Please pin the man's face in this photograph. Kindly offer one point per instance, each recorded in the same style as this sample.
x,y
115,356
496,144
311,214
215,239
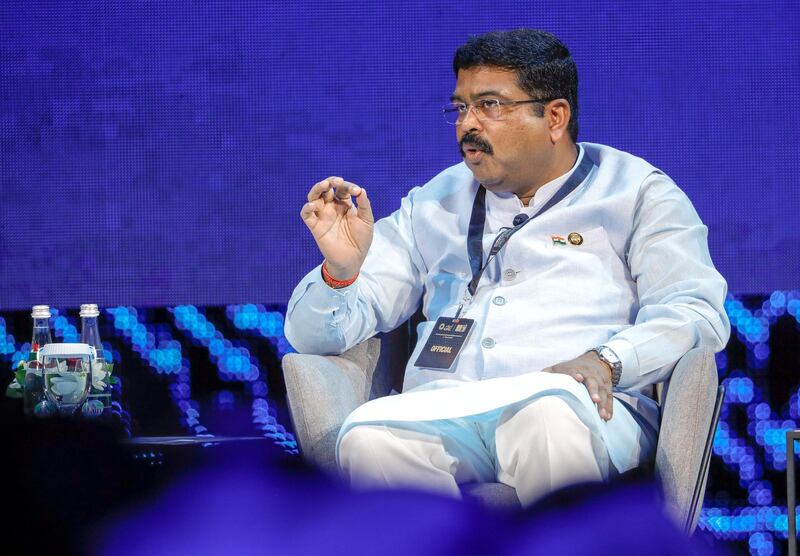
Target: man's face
x,y
509,154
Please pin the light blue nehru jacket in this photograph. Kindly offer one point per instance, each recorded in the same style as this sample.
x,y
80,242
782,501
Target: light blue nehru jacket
x,y
640,280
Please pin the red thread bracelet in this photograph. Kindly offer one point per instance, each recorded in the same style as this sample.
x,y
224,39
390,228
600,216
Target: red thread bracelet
x,y
333,282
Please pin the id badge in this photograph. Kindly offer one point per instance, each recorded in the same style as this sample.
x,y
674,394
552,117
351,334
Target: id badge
x,y
444,343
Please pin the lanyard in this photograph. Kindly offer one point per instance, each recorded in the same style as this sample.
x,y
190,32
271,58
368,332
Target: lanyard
x,y
478,220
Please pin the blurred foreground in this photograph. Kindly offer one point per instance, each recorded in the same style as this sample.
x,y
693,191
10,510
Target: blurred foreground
x,y
73,488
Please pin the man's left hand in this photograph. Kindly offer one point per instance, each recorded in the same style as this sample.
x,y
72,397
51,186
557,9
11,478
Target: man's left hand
x,y
595,375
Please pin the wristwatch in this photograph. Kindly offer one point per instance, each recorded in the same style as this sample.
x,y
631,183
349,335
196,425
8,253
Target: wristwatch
x,y
607,356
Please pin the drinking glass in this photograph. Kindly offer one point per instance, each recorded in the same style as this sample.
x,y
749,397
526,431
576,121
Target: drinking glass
x,y
67,381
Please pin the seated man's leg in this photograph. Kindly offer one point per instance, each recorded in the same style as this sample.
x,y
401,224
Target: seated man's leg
x,y
435,456
545,446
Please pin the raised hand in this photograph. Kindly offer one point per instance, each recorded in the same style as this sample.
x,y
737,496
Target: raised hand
x,y
342,230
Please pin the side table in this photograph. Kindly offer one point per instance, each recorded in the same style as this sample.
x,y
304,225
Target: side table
x,y
168,456
186,440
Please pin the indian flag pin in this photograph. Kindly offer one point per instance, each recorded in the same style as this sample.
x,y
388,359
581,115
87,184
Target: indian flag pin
x,y
558,240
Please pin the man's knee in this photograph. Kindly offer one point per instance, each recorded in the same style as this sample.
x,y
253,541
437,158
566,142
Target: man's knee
x,y
545,446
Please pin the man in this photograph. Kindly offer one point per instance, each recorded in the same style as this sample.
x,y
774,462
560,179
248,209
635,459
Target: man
x,y
552,275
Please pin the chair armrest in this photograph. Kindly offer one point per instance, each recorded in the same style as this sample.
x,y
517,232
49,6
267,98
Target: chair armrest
x,y
687,409
322,390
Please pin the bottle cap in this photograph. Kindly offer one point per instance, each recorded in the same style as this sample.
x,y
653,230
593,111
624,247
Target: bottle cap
x,y
89,310
41,312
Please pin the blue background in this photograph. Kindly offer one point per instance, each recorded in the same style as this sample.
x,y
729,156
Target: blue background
x,y
155,154
154,158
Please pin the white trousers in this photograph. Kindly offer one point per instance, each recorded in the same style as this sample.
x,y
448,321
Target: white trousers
x,y
536,449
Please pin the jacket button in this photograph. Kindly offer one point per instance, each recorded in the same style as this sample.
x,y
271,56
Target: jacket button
x,y
488,343
499,300
509,274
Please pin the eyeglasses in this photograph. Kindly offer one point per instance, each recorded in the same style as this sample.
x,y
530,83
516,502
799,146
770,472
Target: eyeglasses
x,y
490,108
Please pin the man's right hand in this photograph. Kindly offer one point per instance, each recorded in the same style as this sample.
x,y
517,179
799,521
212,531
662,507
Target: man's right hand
x,y
343,232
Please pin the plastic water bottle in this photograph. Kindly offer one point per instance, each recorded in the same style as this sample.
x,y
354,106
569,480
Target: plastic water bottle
x,y
90,334
34,383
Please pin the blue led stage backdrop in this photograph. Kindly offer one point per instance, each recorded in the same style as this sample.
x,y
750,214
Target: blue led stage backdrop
x,y
159,153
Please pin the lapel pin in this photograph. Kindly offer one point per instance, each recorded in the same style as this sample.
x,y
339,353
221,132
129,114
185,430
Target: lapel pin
x,y
558,240
575,238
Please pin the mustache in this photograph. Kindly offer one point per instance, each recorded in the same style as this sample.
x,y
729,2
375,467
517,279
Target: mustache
x,y
475,141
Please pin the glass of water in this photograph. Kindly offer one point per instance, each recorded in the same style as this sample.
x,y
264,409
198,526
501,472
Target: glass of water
x,y
67,380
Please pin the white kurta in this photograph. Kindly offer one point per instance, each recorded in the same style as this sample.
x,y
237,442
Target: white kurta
x,y
641,282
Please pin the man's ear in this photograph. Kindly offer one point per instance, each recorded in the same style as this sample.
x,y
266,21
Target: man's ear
x,y
558,113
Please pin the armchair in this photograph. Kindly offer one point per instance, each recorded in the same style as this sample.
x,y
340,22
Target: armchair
x,y
323,390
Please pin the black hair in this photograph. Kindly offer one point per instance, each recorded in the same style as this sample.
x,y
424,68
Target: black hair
x,y
542,63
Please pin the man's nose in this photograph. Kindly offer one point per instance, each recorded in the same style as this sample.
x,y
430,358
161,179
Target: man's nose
x,y
471,122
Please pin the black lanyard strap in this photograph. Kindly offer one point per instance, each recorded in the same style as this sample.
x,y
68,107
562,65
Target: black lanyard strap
x,y
477,221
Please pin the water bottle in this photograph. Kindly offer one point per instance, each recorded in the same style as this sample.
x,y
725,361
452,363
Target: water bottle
x,y
34,385
90,334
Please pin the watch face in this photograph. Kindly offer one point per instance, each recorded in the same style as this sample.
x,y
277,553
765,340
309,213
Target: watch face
x,y
609,355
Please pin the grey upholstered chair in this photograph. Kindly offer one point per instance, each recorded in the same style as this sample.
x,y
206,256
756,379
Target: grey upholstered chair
x,y
323,390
